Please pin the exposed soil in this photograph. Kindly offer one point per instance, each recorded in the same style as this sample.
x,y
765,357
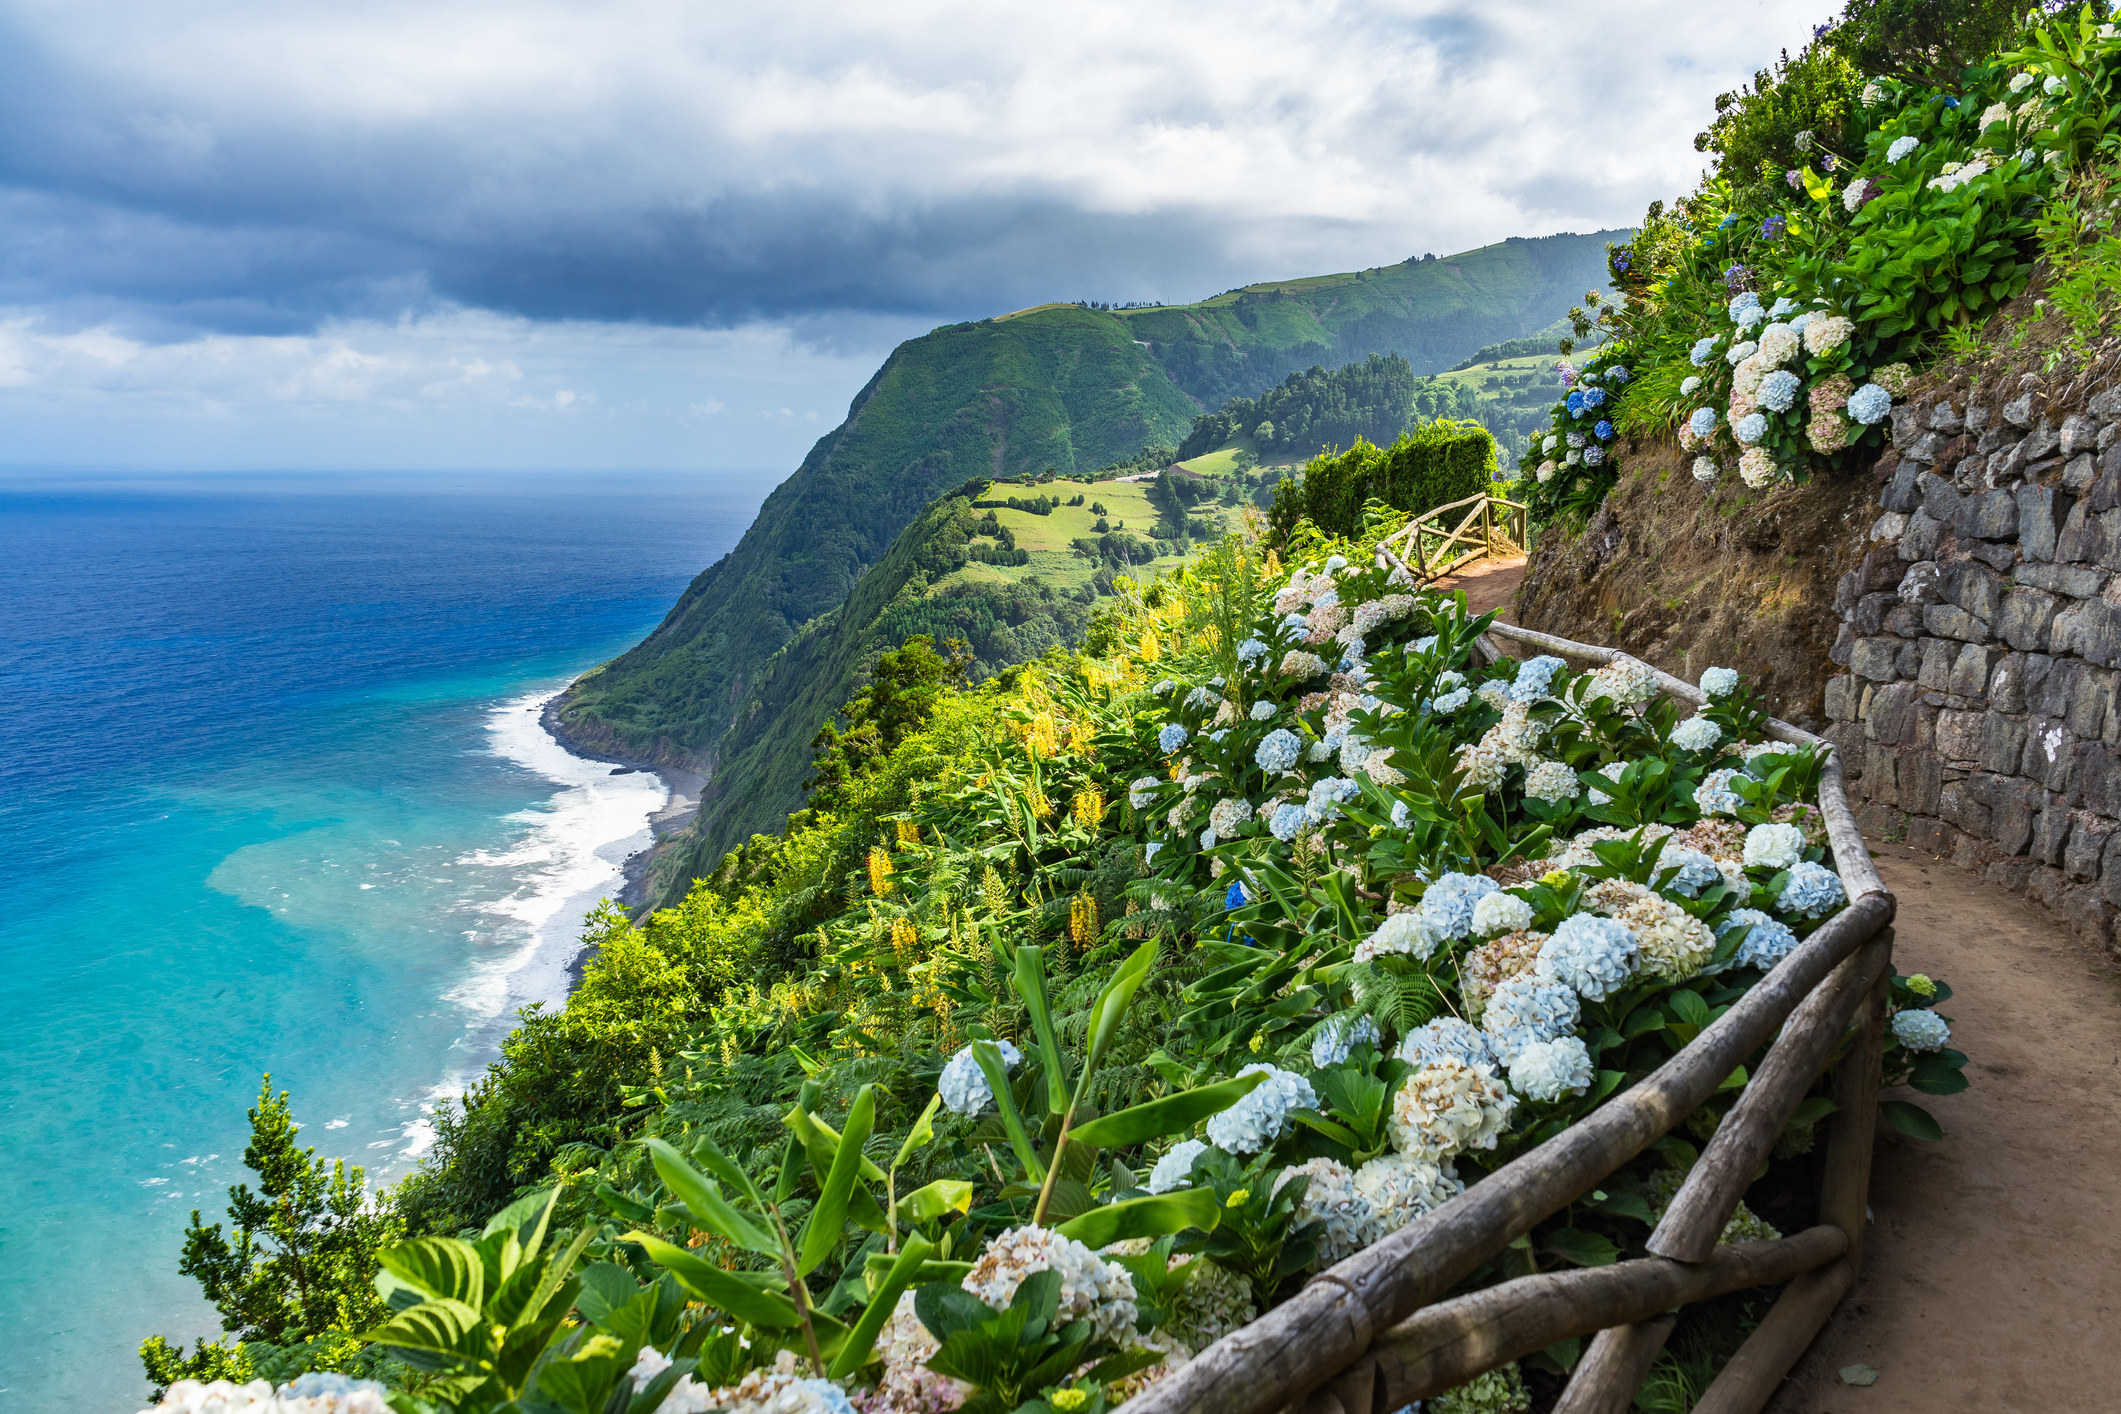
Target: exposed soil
x,y
1992,1274
1489,584
1688,577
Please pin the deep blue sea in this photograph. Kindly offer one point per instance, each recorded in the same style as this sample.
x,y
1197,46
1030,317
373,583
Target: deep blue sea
x,y
273,797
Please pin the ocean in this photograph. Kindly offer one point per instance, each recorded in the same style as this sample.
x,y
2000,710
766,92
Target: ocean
x,y
274,798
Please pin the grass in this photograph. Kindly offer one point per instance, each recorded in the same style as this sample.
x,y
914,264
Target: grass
x,y
1050,538
1481,375
1220,462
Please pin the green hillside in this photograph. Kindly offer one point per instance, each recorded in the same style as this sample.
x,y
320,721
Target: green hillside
x,y
1434,312
1061,389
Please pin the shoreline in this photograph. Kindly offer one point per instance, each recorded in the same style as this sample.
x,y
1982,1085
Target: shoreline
x,y
677,813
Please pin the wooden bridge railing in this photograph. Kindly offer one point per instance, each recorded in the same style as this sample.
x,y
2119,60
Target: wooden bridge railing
x,y
1430,546
1375,1332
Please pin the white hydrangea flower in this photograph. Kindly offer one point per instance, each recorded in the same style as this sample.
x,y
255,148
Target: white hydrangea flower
x,y
1349,1222
314,1393
1551,781
1257,1120
1612,771
1445,1037
1141,791
1400,1189
1901,147
1447,1108
1696,734
963,1084
1593,956
1277,751
1407,933
1696,871
1767,941
908,1385
1920,1029
1714,795
1671,944
1340,1036
1174,1170
1494,692
1628,681
1547,1070
1773,846
1527,1008
1451,701
780,1390
1719,682
1228,813
1812,892
1263,710
1447,906
1500,912
1092,1289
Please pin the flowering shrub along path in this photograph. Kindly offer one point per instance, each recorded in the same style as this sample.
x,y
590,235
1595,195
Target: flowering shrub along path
x,y
1392,918
1771,325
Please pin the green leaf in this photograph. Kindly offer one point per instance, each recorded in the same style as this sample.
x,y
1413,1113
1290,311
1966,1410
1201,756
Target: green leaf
x,y
1111,1005
829,1218
1030,981
988,1056
723,1290
945,1195
1911,1119
727,1170
1138,1124
1934,1075
440,1268
862,1339
438,1327
1585,1249
1689,1007
632,1210
1338,1133
1153,1216
922,1134
706,1203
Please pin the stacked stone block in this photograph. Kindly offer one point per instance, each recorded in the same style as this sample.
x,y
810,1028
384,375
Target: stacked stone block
x,y
1981,636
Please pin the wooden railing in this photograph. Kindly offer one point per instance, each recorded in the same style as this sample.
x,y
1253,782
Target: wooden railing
x,y
1430,546
1375,1332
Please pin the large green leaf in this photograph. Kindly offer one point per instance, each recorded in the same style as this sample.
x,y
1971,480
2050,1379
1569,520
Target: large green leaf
x,y
988,1056
708,1207
1911,1119
727,1170
1111,1005
828,1219
440,1268
922,1133
945,1195
724,1290
862,1338
441,1327
1030,981
1585,1249
1154,1216
1137,1124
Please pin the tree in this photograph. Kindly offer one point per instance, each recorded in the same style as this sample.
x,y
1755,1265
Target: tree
x,y
891,706
301,1267
1926,41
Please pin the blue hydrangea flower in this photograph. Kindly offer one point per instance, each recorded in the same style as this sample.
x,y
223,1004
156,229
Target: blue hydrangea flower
x,y
1750,428
1263,710
1813,891
1400,815
1594,398
1277,751
1172,737
1714,795
1781,307
1775,227
1326,796
1603,431
1744,300
1767,943
1534,677
1251,651
1750,316
1703,422
1591,954
1445,1038
1338,1037
1447,907
1526,1009
1779,389
1235,898
1703,350
1619,373
1451,701
1288,818
1296,623
1175,1169
1696,870
1869,404
1575,404
963,1085
1257,1120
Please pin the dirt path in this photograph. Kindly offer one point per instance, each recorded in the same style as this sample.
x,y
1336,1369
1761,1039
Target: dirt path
x,y
1489,584
1992,1277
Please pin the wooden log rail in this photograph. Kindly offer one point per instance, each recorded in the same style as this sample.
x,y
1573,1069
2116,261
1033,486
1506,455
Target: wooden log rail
x,y
1428,543
1377,1331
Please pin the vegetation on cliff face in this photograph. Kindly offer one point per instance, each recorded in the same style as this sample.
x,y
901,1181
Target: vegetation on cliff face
x,y
1374,401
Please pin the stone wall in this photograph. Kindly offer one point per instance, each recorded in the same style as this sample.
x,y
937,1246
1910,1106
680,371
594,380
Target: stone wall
x,y
1980,707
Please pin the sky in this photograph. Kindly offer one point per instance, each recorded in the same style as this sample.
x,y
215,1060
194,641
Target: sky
x,y
644,234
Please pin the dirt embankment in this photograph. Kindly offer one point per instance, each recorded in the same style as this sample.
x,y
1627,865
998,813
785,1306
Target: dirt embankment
x,y
1688,576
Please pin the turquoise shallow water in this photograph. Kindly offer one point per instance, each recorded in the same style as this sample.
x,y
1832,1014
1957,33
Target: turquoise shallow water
x,y
273,797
